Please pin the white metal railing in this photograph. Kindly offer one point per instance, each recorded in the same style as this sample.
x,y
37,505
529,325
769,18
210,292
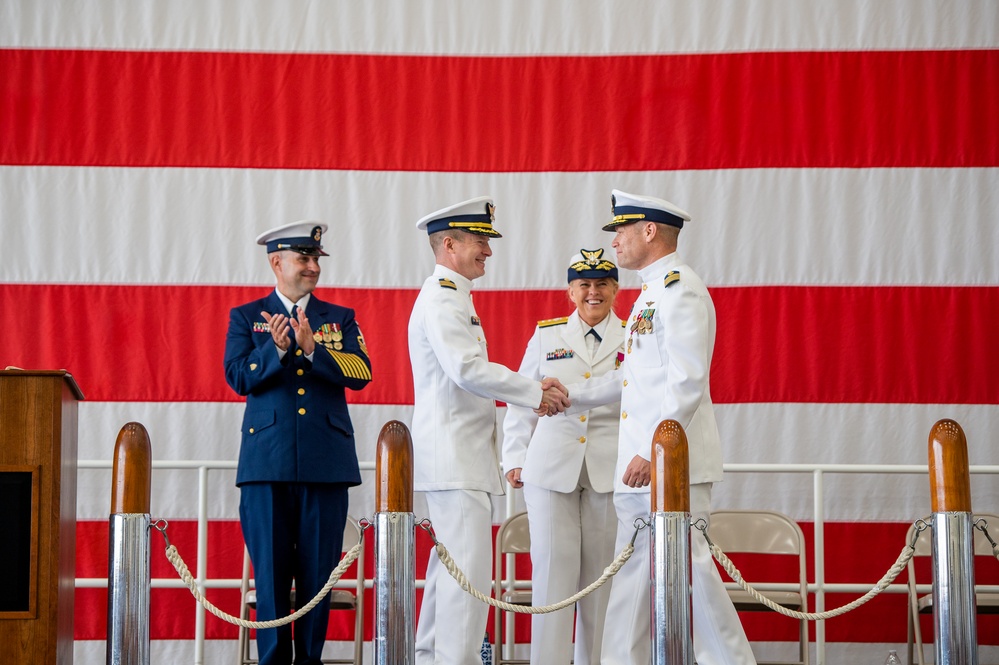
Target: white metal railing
x,y
818,471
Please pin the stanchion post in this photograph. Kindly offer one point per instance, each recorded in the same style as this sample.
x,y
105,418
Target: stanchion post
x,y
954,620
672,634
128,560
395,568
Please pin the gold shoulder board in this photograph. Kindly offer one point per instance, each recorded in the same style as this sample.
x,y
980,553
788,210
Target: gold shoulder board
x,y
548,323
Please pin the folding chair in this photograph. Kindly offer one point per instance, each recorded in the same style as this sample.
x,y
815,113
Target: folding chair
x,y
513,537
985,603
340,599
765,532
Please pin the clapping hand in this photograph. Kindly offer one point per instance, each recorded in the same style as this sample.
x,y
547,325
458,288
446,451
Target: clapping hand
x,y
278,324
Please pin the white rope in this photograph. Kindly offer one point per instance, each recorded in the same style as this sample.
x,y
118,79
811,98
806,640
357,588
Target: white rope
x,y
900,563
463,582
185,574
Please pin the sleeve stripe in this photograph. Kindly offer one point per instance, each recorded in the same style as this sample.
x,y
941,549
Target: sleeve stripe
x,y
351,365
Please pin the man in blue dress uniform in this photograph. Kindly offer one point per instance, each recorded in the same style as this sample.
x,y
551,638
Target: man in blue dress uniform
x,y
292,356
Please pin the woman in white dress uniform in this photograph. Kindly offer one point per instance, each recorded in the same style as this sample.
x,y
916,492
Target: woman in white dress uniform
x,y
566,466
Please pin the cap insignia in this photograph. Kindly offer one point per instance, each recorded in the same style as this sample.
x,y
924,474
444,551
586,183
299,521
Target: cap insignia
x,y
592,261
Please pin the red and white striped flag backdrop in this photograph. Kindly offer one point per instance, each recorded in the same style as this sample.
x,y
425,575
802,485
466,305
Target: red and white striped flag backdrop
x,y
839,160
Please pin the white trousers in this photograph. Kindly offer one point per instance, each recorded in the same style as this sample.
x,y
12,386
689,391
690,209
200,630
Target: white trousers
x,y
572,542
452,623
718,635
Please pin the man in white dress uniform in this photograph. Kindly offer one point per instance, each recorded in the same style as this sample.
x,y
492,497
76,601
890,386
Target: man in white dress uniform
x,y
669,339
454,428
566,466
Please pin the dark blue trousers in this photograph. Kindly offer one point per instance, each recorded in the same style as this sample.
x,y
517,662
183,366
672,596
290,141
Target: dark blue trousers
x,y
293,531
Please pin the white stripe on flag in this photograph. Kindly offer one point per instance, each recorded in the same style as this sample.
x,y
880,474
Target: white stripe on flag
x,y
863,227
511,27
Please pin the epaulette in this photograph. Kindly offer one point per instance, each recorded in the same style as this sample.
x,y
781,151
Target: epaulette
x,y
447,284
671,276
548,323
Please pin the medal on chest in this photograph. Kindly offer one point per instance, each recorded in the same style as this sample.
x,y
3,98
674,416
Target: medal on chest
x,y
329,335
641,323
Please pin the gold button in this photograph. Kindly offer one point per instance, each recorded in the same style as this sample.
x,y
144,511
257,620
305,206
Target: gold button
x,y
298,352
582,439
629,351
300,372
301,391
253,366
626,382
586,376
582,418
251,430
624,414
478,339
301,412
644,286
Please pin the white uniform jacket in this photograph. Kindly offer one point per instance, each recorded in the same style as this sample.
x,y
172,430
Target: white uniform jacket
x,y
668,340
553,457
454,418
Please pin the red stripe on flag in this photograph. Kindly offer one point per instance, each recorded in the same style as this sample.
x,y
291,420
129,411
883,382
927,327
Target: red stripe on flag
x,y
931,345
485,114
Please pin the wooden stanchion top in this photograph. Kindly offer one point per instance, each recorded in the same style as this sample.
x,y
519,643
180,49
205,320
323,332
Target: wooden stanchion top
x,y
131,479
394,469
950,480
670,469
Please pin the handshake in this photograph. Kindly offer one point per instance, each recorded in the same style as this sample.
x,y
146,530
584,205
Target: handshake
x,y
554,399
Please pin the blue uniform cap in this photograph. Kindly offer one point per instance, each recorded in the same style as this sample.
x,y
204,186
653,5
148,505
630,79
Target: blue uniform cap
x,y
304,237
474,216
590,264
630,208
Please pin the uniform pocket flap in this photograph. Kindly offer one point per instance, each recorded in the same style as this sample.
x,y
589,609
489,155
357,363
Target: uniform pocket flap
x,y
341,422
255,421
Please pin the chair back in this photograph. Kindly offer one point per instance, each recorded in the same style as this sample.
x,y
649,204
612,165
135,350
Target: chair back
x,y
756,532
514,536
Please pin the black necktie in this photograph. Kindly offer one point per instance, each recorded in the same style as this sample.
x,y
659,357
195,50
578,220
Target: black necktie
x,y
596,341
291,331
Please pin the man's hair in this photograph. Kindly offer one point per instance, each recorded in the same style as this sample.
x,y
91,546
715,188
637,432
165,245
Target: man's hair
x,y
668,233
437,238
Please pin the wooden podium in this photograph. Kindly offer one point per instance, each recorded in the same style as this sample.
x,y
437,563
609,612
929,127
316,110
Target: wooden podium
x,y
38,429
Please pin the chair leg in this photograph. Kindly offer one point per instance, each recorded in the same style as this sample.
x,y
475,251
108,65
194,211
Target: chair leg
x,y
908,637
803,642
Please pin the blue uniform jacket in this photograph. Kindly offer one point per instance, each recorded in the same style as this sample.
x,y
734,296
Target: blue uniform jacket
x,y
296,427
